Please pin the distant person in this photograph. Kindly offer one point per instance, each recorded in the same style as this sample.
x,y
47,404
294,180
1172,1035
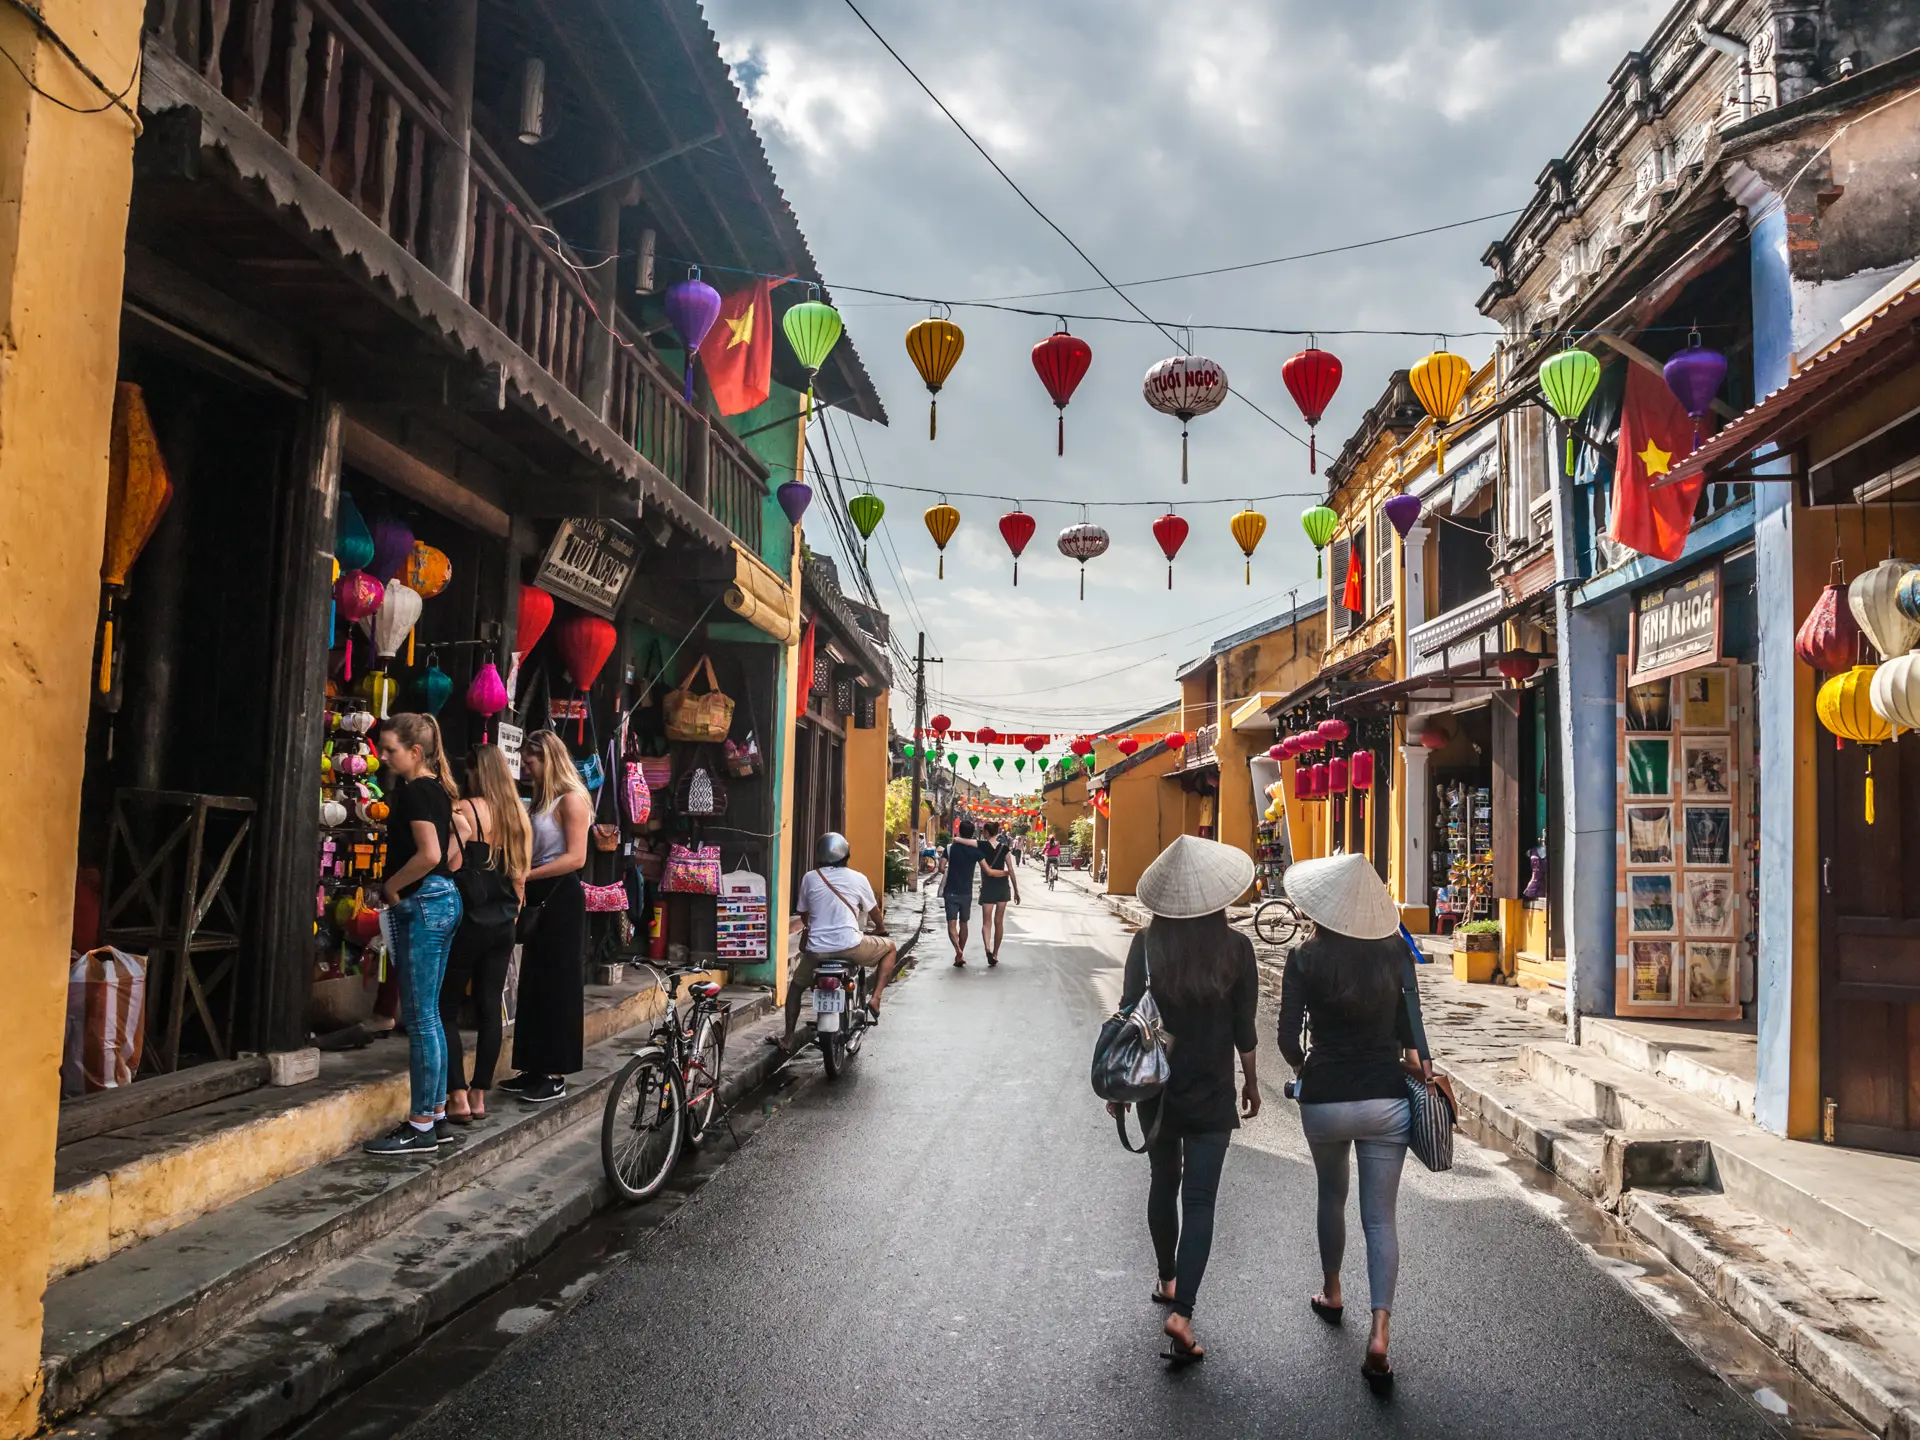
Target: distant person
x,y
957,866
997,886
1052,852
549,1022
1353,984
1204,980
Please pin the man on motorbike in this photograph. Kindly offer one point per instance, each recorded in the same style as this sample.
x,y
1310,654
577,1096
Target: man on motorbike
x,y
836,902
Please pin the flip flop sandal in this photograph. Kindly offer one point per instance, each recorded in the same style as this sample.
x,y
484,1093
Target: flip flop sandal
x,y
1192,1355
1380,1381
1329,1313
1161,1298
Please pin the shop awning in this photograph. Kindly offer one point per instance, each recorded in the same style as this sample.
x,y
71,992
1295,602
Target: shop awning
x,y
1888,339
1322,683
1254,713
760,597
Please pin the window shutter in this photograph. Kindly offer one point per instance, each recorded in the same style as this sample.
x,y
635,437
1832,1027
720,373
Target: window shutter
x,y
1337,571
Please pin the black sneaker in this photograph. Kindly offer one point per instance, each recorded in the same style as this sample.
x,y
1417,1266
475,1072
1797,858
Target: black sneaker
x,y
517,1083
541,1089
403,1139
442,1135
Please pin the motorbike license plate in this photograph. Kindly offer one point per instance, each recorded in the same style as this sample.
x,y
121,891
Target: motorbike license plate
x,y
829,1002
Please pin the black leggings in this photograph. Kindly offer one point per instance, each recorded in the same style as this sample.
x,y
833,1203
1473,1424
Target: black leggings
x,y
480,954
1180,1208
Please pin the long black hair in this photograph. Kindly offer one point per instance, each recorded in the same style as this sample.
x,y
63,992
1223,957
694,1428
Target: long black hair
x,y
1353,979
1192,960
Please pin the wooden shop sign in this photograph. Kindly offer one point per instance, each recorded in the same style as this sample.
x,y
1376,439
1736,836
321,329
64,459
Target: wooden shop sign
x,y
589,563
1677,626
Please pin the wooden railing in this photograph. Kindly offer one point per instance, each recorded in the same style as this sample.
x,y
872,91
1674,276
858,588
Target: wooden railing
x,y
345,99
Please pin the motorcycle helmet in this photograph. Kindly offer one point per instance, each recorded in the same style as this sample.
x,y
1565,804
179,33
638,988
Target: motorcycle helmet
x,y
831,849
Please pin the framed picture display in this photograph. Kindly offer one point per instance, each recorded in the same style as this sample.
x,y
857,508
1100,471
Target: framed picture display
x,y
1680,806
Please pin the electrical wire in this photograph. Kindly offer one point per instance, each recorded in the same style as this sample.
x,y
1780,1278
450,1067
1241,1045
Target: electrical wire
x,y
1083,504
116,100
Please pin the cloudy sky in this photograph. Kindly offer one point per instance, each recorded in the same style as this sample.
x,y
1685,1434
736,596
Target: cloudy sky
x,y
1163,139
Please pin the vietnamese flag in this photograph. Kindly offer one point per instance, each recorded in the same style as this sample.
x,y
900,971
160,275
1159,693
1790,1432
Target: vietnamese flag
x,y
1656,434
1354,597
738,350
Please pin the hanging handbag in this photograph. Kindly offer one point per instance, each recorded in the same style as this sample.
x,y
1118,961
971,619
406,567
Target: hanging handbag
x,y
743,759
592,774
1130,1060
605,899
657,771
692,870
690,717
639,794
1430,1120
700,794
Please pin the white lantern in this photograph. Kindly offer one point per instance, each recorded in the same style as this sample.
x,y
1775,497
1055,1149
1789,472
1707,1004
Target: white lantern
x,y
1895,692
399,612
332,813
1874,598
1184,386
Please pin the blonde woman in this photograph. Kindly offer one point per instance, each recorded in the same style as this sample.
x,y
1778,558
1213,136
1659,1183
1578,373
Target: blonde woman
x,y
423,911
496,851
548,1038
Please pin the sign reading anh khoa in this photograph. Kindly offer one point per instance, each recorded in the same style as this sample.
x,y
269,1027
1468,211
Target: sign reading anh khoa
x,y
589,563
1676,626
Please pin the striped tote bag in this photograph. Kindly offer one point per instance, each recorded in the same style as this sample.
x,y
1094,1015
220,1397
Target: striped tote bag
x,y
1430,1123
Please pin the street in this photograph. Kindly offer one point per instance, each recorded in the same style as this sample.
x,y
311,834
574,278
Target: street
x,y
952,1242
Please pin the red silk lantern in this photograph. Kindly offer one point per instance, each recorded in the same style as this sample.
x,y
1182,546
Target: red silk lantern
x,y
1829,637
1176,740
1126,744
1311,377
356,595
1333,731
1310,741
1171,531
1081,746
939,725
1363,769
1276,752
1061,361
1433,735
987,735
1518,665
1303,782
1322,782
1016,528
1035,744
1338,773
535,614
585,642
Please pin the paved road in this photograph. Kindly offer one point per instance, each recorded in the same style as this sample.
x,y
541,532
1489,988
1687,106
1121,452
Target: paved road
x,y
952,1243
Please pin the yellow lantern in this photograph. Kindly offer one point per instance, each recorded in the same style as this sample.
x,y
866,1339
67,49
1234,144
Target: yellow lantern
x,y
1845,706
942,520
934,346
1248,526
1440,381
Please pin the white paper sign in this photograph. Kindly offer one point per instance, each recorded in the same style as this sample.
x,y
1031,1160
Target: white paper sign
x,y
508,739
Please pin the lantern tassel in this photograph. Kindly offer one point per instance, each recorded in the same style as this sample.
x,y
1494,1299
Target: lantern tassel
x,y
686,388
1063,433
1169,574
580,720
1313,451
1016,570
409,649
1869,787
1569,452
1183,454
1319,559
1440,455
943,566
106,653
1083,580
933,419
346,670
1249,571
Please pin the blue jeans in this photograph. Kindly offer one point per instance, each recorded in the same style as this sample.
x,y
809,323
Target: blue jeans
x,y
420,929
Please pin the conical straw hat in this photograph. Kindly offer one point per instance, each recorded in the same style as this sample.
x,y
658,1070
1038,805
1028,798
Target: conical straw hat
x,y
1194,877
1343,893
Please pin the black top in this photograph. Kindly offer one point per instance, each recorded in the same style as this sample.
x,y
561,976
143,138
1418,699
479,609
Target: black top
x,y
420,799
962,856
1352,1058
1200,1093
997,889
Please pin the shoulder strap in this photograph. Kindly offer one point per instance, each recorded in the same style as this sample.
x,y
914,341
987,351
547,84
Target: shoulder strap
x,y
857,912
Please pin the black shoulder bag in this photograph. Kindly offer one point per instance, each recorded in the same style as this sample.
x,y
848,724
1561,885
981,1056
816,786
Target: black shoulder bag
x,y
1130,1059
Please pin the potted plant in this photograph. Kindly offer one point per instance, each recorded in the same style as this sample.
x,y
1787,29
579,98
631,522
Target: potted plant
x,y
1476,951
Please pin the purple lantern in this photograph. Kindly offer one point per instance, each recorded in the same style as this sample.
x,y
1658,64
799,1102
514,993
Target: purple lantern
x,y
1695,375
392,548
1402,512
692,306
794,497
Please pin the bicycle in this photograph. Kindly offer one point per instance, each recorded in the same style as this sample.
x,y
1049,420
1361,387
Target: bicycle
x,y
668,1093
1278,921
1053,872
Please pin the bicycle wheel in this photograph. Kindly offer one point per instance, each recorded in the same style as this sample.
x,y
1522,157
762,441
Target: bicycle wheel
x,y
703,1077
1276,922
640,1132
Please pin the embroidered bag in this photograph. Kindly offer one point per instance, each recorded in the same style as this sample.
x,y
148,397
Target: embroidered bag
x,y
692,870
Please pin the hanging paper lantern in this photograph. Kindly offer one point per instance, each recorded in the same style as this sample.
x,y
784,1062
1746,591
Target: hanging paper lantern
x,y
794,497
534,615
332,814
999,763
973,761
908,751
940,724
1362,770
1083,542
1126,744
487,695
1035,744
1319,523
1845,706
1175,740
138,491
1402,512
1170,531
1518,665
813,328
1907,597
1041,761
1020,764
399,612
1185,386
865,510
1016,528
392,548
1061,361
1310,741
1338,774
584,642
1694,376
1829,638
1333,731
356,595
1895,691
1874,599
352,540
1303,782
427,570
1276,752
1322,781
692,306
987,735
942,520
434,687
1089,762
1248,526
1081,745
935,347
1440,382
1311,377
1568,380
1433,736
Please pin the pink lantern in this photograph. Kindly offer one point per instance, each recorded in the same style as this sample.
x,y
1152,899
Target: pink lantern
x,y
356,595
1322,782
1363,769
1276,752
1310,742
487,695
1338,774
1303,782
1334,731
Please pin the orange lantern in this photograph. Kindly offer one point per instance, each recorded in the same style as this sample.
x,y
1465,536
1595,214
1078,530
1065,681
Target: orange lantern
x,y
137,494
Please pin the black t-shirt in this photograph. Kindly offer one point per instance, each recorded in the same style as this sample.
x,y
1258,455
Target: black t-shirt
x,y
1201,1095
1355,1056
962,856
421,799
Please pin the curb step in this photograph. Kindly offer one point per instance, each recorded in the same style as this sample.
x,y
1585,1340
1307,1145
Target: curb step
x,y
142,1307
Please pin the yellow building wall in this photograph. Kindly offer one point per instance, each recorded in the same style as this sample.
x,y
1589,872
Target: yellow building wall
x,y
1064,804
867,762
65,179
1147,812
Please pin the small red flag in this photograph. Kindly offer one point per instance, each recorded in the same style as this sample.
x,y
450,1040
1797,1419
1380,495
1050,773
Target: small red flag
x,y
1355,595
738,351
803,664
1656,434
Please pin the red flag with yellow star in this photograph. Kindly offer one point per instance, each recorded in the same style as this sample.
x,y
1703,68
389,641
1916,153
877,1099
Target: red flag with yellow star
x,y
1656,434
738,351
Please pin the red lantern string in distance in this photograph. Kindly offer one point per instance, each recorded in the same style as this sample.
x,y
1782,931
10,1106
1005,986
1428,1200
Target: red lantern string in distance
x,y
1061,360
1016,528
1311,377
1171,531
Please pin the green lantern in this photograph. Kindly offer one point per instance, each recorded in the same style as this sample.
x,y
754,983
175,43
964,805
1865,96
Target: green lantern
x,y
1020,764
973,761
999,764
813,328
865,511
908,751
1568,380
1319,523
1041,762
1088,761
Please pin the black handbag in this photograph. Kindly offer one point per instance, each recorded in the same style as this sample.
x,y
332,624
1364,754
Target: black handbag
x,y
1130,1065
1430,1122
486,896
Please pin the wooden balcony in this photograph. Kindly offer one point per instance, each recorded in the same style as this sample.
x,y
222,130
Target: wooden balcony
x,y
437,219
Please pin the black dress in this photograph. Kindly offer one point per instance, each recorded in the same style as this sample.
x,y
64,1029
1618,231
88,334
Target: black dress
x,y
997,891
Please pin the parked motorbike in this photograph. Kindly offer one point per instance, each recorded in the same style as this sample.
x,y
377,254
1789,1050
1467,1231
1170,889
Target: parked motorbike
x,y
840,1018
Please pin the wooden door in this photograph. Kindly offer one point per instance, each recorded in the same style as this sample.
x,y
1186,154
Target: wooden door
x,y
1870,945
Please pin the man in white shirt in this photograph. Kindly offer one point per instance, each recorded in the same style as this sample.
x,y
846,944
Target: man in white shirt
x,y
836,902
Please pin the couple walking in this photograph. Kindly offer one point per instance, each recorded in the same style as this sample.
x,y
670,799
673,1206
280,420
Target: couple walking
x,y
992,853
1352,984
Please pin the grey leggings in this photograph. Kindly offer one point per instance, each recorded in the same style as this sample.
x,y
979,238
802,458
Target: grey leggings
x,y
1378,1130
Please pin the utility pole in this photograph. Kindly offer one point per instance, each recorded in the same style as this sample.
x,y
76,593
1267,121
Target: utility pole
x,y
919,746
